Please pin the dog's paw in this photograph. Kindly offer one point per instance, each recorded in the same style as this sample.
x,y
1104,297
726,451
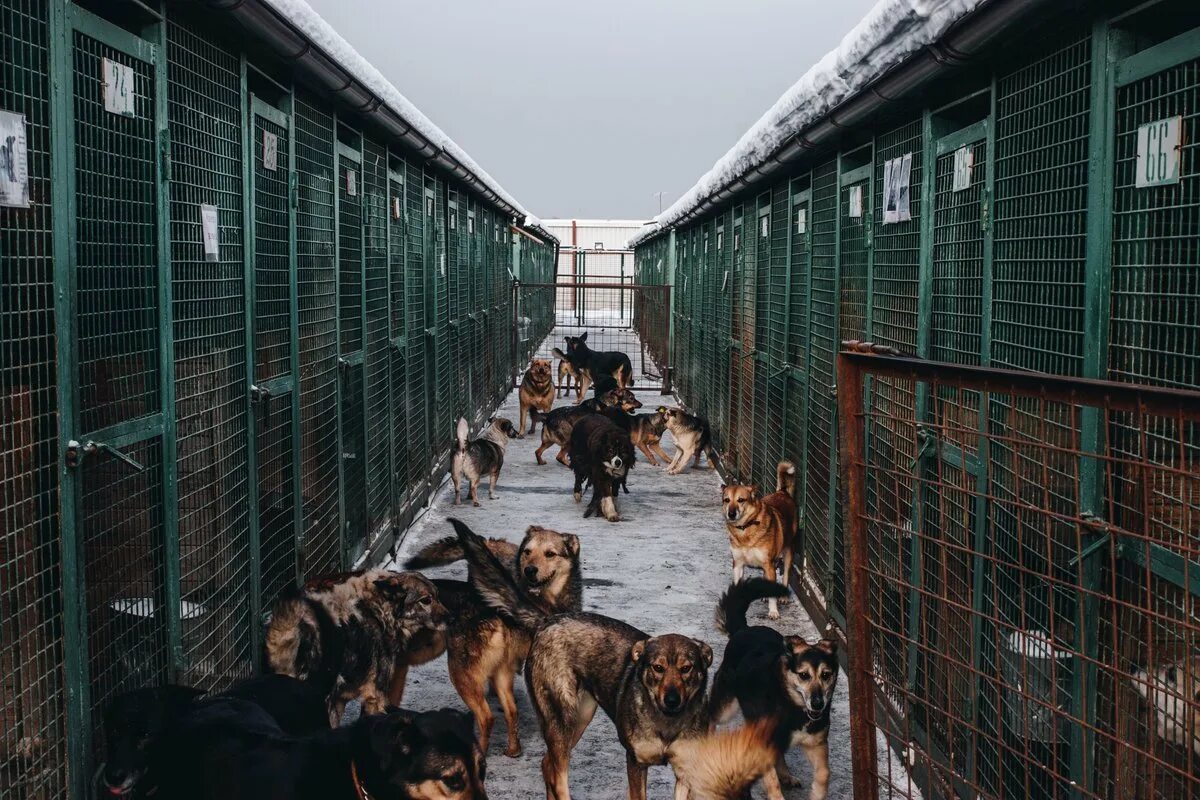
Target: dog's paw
x,y
578,497
493,497
773,614
476,503
513,750
789,780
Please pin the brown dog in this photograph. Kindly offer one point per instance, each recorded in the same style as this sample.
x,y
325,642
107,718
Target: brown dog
x,y
537,391
568,371
358,633
483,647
762,529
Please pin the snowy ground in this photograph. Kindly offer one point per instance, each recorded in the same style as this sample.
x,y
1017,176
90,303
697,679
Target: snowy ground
x,y
661,569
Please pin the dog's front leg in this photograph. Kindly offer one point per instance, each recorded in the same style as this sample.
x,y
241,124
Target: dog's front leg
x,y
649,455
682,792
637,777
521,430
818,756
772,603
771,785
495,476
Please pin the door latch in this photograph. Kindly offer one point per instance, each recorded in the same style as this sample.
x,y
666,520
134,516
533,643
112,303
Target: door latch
x,y
261,395
76,452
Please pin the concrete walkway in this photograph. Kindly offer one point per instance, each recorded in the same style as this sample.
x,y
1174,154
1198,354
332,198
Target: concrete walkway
x,y
661,569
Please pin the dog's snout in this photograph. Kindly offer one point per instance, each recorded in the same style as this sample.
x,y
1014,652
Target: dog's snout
x,y
531,571
817,701
733,514
672,700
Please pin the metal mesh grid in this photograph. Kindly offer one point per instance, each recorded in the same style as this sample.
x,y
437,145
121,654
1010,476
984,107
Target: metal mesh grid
x,y
1012,697
956,327
418,374
853,261
796,352
437,269
822,320
278,567
401,414
350,305
32,697
897,247
208,300
316,286
457,288
1156,239
116,255
377,347
1039,255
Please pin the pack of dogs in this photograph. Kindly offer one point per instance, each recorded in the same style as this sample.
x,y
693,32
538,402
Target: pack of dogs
x,y
352,638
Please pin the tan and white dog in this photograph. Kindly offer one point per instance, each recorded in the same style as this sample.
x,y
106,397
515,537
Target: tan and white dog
x,y
762,530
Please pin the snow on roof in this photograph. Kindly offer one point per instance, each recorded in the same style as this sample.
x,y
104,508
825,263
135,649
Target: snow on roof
x,y
594,223
890,32
322,34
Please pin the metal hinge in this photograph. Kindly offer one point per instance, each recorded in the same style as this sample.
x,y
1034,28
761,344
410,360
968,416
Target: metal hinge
x,y
164,155
75,453
294,189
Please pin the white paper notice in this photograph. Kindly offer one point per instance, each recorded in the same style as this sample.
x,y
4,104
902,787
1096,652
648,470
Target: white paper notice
x,y
119,93
396,209
270,151
897,184
856,201
964,160
14,161
209,229
802,220
351,183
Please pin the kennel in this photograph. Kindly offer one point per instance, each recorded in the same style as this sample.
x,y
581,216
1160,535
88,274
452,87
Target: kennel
x,y
244,298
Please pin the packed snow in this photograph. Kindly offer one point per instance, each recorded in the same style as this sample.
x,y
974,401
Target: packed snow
x,y
662,569
323,36
889,33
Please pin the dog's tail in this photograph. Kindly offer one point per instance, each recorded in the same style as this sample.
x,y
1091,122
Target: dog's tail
x,y
560,355
436,554
461,433
724,764
732,607
301,638
785,478
493,582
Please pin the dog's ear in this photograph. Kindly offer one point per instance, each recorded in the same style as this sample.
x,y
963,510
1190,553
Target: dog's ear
x,y
583,336
755,494
827,645
796,644
705,652
572,543
639,647
392,736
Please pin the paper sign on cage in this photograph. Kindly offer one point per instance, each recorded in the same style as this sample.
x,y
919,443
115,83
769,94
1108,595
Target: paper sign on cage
x,y
1158,147
856,201
270,151
964,161
351,183
209,230
118,88
802,220
897,185
14,161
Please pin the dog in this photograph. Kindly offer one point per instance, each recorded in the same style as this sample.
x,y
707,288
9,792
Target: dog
x,y
723,765
599,362
480,458
558,424
229,750
602,455
568,371
134,723
762,530
483,647
645,431
692,437
356,634
784,679
1173,691
652,688
537,391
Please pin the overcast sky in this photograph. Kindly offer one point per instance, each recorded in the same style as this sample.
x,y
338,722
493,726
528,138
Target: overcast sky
x,y
588,108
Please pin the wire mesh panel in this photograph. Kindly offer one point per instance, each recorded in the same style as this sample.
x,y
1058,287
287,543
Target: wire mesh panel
x,y
316,283
418,372
458,291
350,361
377,366
401,418
209,297
33,751
1039,257
441,398
273,379
120,513
796,351
822,332
1012,699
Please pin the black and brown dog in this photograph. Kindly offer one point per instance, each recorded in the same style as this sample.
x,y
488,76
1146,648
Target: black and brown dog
x,y
601,454
599,363
558,424
652,688
482,646
228,749
359,632
783,679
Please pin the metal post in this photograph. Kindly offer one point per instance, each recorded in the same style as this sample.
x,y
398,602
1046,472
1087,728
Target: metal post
x,y
858,634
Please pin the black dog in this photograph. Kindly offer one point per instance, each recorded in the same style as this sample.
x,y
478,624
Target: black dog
x,y
228,749
779,678
601,454
135,722
600,363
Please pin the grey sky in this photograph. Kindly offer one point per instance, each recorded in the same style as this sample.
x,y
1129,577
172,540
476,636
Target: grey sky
x,y
587,108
